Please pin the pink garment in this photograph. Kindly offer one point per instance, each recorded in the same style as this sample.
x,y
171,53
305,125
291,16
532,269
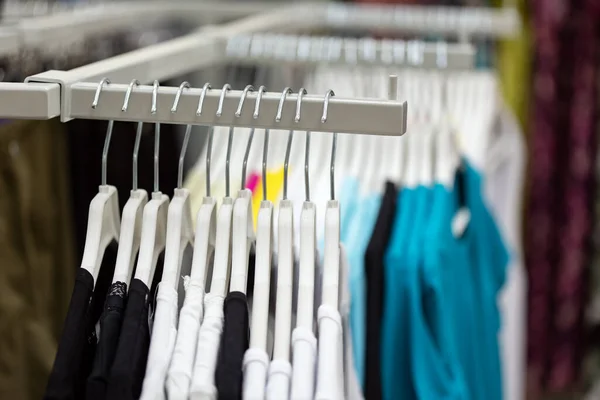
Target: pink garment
x,y
252,182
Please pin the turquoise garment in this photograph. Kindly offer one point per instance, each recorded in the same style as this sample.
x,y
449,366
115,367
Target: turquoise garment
x,y
490,258
359,234
349,200
396,380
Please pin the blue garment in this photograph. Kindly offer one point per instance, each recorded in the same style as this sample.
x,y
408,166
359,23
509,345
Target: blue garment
x,y
490,258
349,200
396,380
358,235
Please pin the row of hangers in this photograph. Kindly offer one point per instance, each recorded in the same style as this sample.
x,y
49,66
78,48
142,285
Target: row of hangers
x,y
159,224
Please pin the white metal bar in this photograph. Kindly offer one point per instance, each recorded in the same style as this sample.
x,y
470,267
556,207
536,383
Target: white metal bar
x,y
29,100
375,117
312,50
457,21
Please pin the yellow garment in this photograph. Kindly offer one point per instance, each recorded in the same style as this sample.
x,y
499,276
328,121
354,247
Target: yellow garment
x,y
514,67
274,189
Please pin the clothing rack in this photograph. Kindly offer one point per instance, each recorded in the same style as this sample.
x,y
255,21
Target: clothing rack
x,y
60,93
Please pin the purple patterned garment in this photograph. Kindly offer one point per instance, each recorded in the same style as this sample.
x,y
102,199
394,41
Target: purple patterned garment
x,y
560,208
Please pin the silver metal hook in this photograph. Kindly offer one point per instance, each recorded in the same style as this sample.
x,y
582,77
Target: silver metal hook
x,y
301,94
202,96
333,145
184,85
284,94
186,138
156,136
134,82
261,90
109,130
138,134
210,137
225,89
98,90
154,97
238,114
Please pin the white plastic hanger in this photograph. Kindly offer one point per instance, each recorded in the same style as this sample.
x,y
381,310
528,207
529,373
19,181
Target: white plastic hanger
x,y
243,230
331,263
154,222
280,370
285,261
222,263
206,220
103,218
303,339
180,228
256,359
131,222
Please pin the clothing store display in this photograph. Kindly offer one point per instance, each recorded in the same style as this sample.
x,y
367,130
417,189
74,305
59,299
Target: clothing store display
x,y
374,272
77,346
110,329
234,343
35,246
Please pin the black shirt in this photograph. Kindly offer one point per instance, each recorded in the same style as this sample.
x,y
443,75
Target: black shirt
x,y
77,345
110,328
375,283
234,343
129,366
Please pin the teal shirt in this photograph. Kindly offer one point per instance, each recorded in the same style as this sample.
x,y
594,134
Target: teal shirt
x,y
490,258
396,379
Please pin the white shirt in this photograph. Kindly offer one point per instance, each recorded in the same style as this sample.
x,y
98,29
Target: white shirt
x,y
203,379
304,358
164,333
179,377
279,380
256,365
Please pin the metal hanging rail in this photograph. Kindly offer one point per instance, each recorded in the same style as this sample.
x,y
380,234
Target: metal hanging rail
x,y
344,115
313,50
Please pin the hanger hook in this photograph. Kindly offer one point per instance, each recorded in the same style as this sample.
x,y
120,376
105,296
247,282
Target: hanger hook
x,y
102,82
138,133
262,90
205,88
134,82
284,94
226,88
109,130
186,138
333,144
301,94
238,114
154,97
156,136
202,96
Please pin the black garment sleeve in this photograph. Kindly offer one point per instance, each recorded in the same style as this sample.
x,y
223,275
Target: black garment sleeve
x,y
110,328
374,270
234,343
129,365
65,380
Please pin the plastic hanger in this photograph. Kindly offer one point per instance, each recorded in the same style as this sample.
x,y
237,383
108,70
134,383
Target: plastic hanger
x,y
222,263
243,230
154,221
331,264
256,359
206,220
103,218
285,260
303,340
180,228
131,222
